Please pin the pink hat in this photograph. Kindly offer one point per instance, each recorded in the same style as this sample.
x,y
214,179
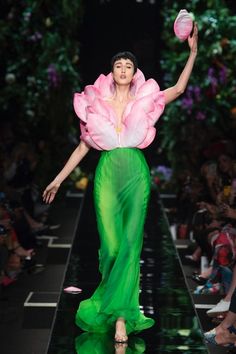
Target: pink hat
x,y
183,24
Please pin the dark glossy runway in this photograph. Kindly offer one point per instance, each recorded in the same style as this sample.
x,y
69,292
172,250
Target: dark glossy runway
x,y
163,293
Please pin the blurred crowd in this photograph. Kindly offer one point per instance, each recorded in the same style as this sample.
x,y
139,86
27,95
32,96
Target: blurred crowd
x,y
23,216
206,214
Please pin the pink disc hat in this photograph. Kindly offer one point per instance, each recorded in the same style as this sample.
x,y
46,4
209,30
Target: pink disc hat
x,y
183,24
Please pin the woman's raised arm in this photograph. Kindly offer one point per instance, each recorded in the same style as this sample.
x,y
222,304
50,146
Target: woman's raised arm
x,y
175,91
74,159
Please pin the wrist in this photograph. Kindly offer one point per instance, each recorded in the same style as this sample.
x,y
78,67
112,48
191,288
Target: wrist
x,y
57,180
193,52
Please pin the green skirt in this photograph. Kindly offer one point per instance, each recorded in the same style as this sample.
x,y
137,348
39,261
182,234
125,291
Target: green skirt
x,y
121,194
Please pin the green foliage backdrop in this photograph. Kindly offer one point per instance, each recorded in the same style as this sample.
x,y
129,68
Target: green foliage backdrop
x,y
207,110
40,55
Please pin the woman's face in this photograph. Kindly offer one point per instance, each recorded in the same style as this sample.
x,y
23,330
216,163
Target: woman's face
x,y
123,71
224,163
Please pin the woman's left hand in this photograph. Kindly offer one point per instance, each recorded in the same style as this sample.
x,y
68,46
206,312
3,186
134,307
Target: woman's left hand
x,y
193,40
229,212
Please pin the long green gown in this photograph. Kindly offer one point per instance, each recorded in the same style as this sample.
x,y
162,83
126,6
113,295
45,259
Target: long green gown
x,y
121,194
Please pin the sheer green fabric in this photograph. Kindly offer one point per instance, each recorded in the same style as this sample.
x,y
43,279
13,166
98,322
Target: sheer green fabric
x,y
121,193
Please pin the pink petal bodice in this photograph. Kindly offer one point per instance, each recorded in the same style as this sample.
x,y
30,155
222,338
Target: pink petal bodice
x,y
98,120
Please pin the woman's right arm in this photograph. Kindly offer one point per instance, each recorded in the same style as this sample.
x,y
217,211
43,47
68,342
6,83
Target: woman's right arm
x,y
75,158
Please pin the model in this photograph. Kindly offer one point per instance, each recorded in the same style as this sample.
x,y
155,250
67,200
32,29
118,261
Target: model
x,y
117,116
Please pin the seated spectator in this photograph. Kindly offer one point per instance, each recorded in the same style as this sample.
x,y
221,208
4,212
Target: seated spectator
x,y
16,251
225,334
3,252
216,237
223,306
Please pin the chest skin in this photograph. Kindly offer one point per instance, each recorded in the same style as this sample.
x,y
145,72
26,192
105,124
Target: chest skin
x,y
119,109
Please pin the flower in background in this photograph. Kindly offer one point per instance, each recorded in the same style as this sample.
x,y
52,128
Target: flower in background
x,y
31,80
11,14
161,175
233,112
224,42
48,22
75,59
37,36
30,113
187,103
197,93
193,94
27,16
10,78
53,76
213,80
79,178
189,91
200,116
223,75
82,183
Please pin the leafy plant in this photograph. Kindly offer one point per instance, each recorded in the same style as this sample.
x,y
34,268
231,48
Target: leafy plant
x,y
207,110
40,56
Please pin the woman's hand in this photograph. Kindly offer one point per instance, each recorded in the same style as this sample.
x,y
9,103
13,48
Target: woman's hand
x,y
193,40
229,212
50,192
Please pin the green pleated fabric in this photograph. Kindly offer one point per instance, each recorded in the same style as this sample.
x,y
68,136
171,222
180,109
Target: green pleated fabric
x,y
121,194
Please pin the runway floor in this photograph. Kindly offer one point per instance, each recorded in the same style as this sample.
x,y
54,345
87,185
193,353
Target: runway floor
x,y
163,295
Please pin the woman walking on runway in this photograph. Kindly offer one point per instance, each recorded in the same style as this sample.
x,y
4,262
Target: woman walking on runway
x,y
117,116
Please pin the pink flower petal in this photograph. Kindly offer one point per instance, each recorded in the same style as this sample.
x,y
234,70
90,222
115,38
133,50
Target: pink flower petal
x,y
153,105
98,106
151,133
80,104
105,85
135,128
137,82
159,100
86,137
102,131
92,92
147,88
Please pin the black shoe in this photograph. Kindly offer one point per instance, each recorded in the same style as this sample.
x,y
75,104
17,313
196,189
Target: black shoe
x,y
38,268
198,279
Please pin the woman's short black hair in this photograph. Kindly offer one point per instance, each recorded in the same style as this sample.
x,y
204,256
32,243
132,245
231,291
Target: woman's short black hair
x,y
125,55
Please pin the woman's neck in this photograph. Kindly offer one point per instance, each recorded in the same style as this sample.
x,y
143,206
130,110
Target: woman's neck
x,y
122,93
